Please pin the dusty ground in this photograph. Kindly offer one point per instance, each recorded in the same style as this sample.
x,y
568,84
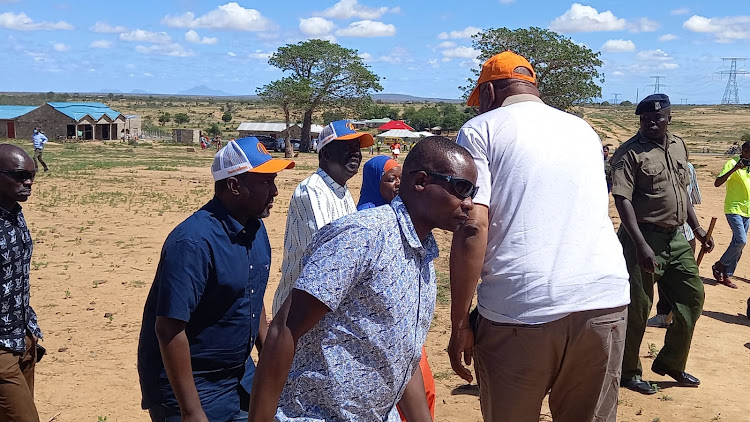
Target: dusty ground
x,y
99,219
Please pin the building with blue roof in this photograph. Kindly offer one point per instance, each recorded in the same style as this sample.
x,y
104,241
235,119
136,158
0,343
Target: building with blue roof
x,y
72,120
8,116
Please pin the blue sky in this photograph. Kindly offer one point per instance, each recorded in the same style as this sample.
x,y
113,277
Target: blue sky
x,y
418,47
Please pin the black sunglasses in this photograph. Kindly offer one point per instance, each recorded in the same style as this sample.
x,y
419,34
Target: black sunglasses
x,y
463,188
19,175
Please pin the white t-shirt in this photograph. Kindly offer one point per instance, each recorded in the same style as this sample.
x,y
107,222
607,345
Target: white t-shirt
x,y
551,247
317,201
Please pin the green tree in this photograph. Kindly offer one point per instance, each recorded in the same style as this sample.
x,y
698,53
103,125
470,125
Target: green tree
x,y
181,118
334,76
214,130
567,73
289,94
409,116
626,103
332,115
226,117
745,137
164,118
425,118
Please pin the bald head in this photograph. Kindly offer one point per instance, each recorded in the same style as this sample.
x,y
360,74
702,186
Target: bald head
x,y
17,173
434,153
11,155
493,93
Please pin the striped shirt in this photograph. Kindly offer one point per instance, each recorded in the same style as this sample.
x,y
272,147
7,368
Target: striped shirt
x,y
694,193
317,201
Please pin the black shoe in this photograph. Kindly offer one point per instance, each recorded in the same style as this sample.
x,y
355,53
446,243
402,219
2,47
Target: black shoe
x,y
639,386
748,307
681,377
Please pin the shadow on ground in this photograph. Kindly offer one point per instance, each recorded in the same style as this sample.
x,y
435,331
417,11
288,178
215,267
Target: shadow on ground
x,y
738,319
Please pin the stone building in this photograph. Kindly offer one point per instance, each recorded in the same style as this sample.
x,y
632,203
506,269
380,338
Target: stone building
x,y
186,136
9,115
63,120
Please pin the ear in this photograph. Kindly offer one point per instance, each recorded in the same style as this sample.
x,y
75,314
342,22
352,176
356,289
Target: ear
x,y
233,186
420,181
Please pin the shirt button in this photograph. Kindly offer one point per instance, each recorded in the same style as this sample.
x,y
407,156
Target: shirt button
x,y
251,267
253,315
252,291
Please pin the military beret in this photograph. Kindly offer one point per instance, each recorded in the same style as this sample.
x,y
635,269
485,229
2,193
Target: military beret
x,y
652,103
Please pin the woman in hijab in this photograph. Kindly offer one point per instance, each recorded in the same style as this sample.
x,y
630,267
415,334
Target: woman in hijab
x,y
381,179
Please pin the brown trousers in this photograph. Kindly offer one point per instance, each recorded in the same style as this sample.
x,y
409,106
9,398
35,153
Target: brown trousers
x,y
17,384
575,359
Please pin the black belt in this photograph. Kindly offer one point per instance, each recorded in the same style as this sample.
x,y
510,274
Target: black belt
x,y
656,228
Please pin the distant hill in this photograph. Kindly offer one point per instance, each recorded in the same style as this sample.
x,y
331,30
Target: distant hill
x,y
205,91
138,91
405,98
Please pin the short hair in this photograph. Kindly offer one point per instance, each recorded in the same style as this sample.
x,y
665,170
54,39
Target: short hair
x,y
433,153
746,145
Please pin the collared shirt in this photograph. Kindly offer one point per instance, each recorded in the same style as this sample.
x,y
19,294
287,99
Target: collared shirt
x,y
39,140
551,246
212,274
316,201
653,178
378,280
737,199
16,314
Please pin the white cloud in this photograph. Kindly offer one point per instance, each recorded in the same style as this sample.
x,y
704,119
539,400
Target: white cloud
x,y
260,55
366,57
668,37
316,26
643,25
460,52
727,29
100,44
193,37
172,50
367,29
467,32
507,1
433,63
580,18
446,44
58,46
141,35
229,16
397,55
653,55
618,73
681,11
348,9
21,22
618,46
105,28
230,54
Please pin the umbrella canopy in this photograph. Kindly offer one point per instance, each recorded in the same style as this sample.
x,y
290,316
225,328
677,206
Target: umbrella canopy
x,y
398,133
395,124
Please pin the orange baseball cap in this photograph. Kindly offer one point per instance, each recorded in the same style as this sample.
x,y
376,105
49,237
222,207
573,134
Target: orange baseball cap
x,y
501,66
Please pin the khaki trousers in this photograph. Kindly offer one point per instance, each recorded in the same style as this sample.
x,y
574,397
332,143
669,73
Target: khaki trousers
x,y
576,359
17,384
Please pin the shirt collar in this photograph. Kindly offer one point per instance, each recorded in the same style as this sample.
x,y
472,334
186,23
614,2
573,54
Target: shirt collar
x,y
429,248
234,229
519,98
642,139
12,214
339,190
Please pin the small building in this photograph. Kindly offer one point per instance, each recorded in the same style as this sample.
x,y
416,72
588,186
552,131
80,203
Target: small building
x,y
186,136
132,126
9,115
74,120
275,130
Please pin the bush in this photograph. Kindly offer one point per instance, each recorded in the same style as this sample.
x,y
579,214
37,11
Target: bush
x,y
745,137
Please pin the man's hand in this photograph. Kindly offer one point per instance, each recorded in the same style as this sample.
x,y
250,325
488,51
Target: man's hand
x,y
461,343
706,241
646,258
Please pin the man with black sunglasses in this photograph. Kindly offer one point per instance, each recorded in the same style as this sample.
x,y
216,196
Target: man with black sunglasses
x,y
552,302
19,331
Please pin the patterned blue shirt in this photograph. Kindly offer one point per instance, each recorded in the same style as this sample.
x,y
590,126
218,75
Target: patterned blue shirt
x,y
16,315
378,280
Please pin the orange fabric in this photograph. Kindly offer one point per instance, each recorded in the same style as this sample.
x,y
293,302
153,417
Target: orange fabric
x,y
429,385
501,66
390,164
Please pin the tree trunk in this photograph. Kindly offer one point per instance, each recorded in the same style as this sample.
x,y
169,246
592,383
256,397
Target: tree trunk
x,y
288,148
305,145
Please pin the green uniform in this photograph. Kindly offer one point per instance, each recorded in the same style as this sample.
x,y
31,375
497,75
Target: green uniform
x,y
655,180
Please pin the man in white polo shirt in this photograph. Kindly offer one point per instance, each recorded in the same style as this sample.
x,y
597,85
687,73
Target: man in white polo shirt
x,y
321,198
553,299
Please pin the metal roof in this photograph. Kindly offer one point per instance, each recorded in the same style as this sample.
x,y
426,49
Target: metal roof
x,y
78,111
272,127
10,112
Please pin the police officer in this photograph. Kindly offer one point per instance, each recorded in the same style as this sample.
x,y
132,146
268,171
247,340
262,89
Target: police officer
x,y
650,176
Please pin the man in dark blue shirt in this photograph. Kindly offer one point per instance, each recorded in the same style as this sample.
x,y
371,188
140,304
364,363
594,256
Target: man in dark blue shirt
x,y
205,308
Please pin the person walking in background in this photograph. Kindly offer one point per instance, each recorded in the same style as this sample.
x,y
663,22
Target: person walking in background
x,y
663,308
321,198
39,139
19,330
381,180
395,150
205,310
737,209
650,175
552,302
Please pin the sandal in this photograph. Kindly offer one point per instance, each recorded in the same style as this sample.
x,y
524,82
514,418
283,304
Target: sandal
x,y
727,282
718,274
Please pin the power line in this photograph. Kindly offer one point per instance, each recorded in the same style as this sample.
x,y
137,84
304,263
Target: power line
x,y
657,85
615,100
731,93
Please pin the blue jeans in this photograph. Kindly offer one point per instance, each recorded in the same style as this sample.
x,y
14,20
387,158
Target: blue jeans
x,y
731,257
162,414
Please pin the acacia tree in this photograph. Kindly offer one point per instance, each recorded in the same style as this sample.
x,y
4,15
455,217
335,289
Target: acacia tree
x,y
290,95
334,76
566,72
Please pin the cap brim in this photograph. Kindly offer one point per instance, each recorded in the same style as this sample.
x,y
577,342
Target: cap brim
x,y
273,166
473,100
365,139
